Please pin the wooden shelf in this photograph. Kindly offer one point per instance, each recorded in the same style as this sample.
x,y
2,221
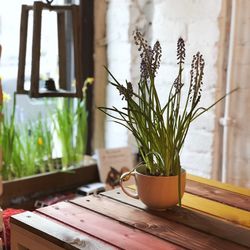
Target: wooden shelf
x,y
18,193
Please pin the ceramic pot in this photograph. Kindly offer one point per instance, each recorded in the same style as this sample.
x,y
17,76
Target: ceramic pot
x,y
156,192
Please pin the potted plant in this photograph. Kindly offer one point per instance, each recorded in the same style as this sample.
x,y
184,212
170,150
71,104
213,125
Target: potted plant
x,y
159,130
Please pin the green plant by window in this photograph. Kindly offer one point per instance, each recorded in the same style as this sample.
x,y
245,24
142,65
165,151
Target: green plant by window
x,y
27,150
71,126
7,139
65,125
38,135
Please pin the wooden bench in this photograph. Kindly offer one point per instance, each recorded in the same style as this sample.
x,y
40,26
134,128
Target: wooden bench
x,y
213,216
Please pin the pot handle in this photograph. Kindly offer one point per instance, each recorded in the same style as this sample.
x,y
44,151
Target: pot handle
x,y
125,177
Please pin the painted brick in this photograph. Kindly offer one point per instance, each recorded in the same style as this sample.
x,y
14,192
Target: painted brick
x,y
168,52
203,32
119,53
173,29
116,136
210,77
117,20
210,53
119,57
188,10
205,122
199,141
197,163
166,75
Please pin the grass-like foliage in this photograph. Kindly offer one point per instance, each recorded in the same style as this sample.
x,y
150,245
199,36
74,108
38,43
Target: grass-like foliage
x,y
160,130
27,150
71,126
8,134
70,122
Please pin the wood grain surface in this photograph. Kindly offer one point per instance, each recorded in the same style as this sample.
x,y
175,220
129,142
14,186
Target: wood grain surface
x,y
218,184
218,194
165,229
211,218
106,229
215,208
192,218
56,232
233,214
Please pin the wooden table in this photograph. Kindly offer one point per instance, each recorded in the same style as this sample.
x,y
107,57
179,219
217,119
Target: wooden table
x,y
214,216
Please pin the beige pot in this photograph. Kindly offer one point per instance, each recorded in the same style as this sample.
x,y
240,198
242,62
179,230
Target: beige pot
x,y
156,192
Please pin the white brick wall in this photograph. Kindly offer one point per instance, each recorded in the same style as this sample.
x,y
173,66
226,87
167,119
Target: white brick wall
x,y
198,23
119,58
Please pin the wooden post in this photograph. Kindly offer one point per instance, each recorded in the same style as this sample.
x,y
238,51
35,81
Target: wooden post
x,y
76,41
36,47
87,62
22,48
101,77
62,50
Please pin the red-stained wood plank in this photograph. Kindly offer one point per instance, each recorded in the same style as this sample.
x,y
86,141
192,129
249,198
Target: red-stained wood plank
x,y
197,220
165,229
56,232
217,194
104,228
